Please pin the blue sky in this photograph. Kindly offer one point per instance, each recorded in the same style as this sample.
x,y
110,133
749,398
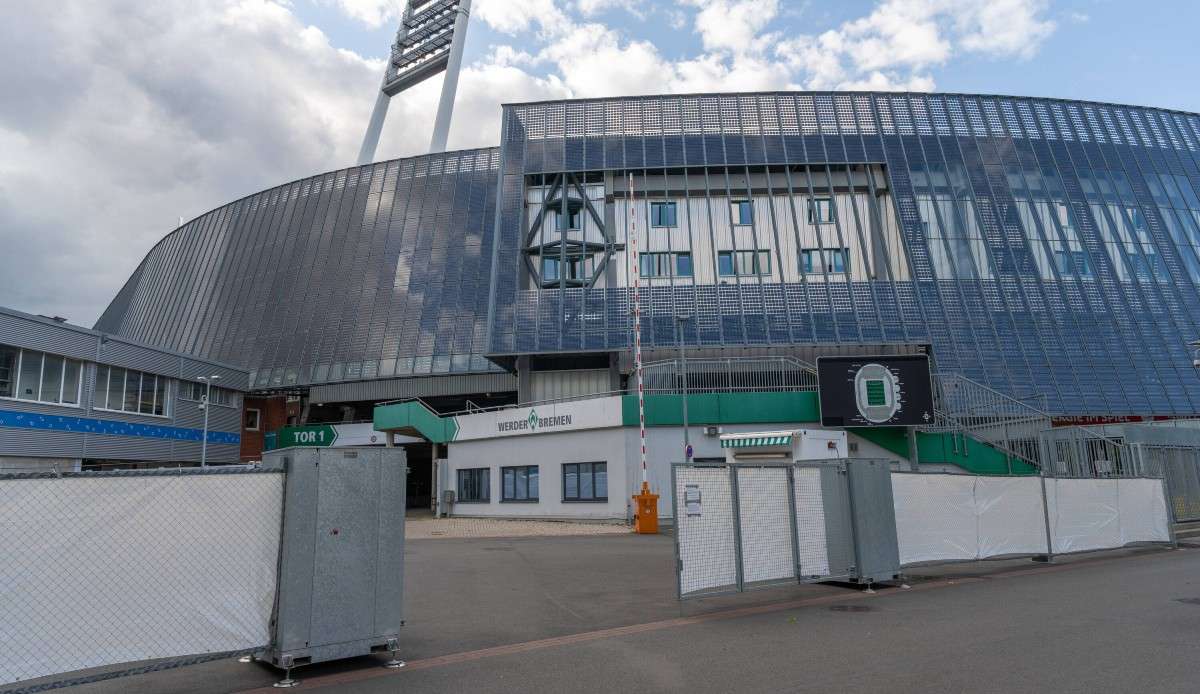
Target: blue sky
x,y
1103,50
125,116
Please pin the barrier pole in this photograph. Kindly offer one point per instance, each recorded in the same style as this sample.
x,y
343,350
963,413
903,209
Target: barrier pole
x,y
645,518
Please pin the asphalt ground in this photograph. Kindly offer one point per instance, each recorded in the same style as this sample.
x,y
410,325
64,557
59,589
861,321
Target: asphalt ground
x,y
599,614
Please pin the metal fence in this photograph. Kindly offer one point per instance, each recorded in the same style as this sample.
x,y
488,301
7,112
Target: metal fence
x,y
1179,466
106,568
746,526
712,375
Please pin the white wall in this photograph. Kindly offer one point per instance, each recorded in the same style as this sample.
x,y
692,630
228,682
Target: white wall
x,y
548,452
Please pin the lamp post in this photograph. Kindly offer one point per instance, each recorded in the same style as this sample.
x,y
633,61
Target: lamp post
x,y
687,446
207,381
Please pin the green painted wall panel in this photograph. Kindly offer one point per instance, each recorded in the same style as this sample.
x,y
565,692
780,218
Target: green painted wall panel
x,y
724,408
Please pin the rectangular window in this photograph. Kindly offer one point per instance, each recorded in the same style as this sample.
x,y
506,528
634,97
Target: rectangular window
x,y
146,394
474,484
683,264
194,391
116,389
30,385
817,261
519,483
38,377
741,212
52,377
820,211
743,263
573,217
725,263
662,214
253,419
585,482
72,371
8,371
126,390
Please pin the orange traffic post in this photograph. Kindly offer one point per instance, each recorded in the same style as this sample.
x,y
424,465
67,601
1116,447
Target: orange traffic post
x,y
645,517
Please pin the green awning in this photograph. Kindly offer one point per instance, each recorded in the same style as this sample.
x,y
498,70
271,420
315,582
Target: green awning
x,y
784,440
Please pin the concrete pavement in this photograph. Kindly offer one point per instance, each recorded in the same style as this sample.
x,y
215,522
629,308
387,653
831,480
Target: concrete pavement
x,y
599,614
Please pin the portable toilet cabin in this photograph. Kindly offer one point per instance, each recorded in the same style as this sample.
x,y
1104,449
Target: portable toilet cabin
x,y
792,445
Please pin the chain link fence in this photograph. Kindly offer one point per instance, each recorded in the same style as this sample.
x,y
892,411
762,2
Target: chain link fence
x,y
106,568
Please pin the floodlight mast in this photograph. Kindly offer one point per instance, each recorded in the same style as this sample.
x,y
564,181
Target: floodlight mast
x,y
430,40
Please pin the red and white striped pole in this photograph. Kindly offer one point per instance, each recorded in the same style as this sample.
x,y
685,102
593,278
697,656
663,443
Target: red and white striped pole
x,y
635,272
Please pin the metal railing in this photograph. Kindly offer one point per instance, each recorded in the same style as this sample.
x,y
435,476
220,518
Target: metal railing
x,y
715,375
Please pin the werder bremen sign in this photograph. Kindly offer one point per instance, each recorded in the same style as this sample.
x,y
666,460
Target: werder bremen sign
x,y
532,422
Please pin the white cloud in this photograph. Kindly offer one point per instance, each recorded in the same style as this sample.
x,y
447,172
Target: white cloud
x,y
733,25
895,45
372,13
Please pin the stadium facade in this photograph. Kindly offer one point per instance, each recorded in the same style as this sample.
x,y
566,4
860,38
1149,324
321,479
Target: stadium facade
x,y
1045,248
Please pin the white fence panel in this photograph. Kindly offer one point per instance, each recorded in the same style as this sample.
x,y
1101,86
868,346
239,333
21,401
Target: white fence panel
x,y
935,517
765,512
1009,516
110,569
705,529
1084,514
1144,516
810,522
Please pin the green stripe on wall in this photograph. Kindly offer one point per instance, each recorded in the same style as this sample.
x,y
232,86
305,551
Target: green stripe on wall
x,y
724,408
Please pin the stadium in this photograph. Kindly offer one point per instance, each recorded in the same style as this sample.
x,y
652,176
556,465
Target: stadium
x,y
1043,250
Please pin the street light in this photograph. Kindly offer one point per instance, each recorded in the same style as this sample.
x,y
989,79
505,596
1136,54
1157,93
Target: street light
x,y
207,381
687,446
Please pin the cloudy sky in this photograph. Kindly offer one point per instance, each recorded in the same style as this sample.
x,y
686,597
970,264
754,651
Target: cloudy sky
x,y
121,116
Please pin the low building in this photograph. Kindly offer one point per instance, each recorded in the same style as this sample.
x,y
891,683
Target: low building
x,y
73,398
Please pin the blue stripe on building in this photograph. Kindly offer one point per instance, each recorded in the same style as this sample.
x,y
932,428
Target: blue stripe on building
x,y
54,422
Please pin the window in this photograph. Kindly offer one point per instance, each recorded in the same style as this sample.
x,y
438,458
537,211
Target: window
x,y
29,375
683,264
519,483
474,484
665,264
190,390
820,211
743,263
1070,263
574,218
576,266
8,371
253,419
816,261
662,214
741,212
126,390
585,482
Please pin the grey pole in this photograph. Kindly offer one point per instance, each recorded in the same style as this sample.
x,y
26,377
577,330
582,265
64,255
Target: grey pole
x,y
366,153
207,400
687,457
441,126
